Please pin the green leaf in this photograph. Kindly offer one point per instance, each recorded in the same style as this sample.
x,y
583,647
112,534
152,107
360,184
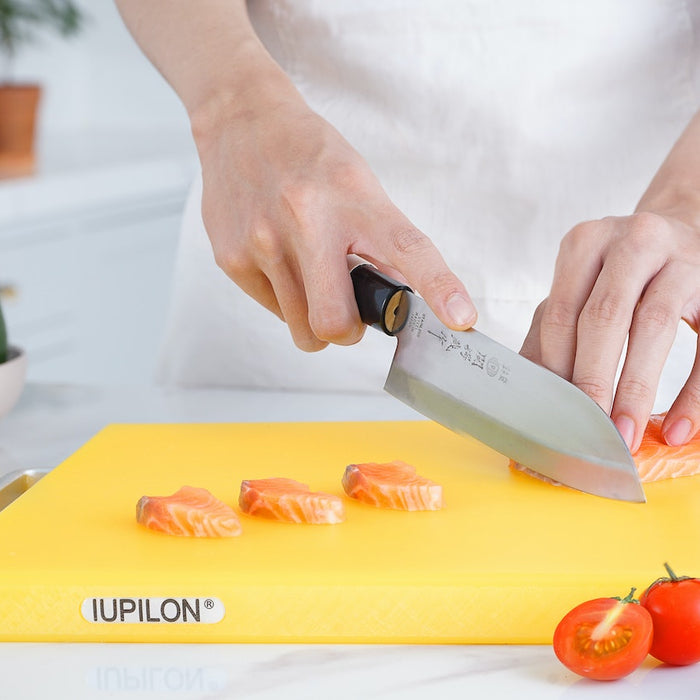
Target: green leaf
x,y
20,20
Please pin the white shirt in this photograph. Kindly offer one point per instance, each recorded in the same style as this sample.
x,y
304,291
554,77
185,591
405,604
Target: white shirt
x,y
495,126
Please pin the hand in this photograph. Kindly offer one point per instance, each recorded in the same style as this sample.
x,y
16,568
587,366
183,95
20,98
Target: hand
x,y
286,199
623,278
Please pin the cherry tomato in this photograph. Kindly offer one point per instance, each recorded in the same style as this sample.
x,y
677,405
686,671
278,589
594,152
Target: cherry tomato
x,y
605,638
674,605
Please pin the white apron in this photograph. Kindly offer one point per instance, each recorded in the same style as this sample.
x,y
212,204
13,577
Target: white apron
x,y
494,125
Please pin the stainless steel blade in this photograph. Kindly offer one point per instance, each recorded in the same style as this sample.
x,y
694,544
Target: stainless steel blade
x,y
476,386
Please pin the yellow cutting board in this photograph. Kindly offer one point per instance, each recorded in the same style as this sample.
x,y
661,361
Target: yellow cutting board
x,y
502,562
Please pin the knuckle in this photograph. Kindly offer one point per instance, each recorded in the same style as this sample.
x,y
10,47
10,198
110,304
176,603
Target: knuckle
x,y
309,344
557,315
603,311
350,174
655,317
539,310
596,387
635,390
537,316
442,284
645,222
265,241
578,239
331,327
304,337
237,256
228,260
409,241
643,233
222,258
299,198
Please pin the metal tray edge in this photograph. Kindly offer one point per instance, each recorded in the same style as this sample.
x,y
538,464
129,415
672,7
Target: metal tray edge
x,y
15,483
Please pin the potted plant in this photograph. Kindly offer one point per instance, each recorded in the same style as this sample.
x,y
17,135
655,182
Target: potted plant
x,y
20,22
13,370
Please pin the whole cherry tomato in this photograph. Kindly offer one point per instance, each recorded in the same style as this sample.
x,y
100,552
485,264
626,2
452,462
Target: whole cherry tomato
x,y
605,638
674,606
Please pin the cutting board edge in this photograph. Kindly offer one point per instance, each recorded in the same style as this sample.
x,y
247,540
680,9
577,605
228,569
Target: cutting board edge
x,y
290,615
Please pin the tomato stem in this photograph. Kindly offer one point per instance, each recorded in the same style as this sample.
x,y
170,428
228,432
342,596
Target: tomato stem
x,y
629,598
671,574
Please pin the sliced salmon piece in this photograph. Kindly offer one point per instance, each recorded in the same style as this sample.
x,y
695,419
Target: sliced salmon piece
x,y
189,512
392,485
289,501
655,459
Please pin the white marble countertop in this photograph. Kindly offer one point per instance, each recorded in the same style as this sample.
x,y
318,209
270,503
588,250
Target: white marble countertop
x,y
52,421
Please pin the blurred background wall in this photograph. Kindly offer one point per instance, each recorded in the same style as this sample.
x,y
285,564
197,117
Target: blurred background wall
x,y
99,79
88,240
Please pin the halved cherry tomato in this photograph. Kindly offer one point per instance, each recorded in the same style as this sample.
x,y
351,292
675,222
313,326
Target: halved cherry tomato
x,y
674,605
605,638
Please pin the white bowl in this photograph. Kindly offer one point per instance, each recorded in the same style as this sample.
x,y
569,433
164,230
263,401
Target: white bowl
x,y
13,372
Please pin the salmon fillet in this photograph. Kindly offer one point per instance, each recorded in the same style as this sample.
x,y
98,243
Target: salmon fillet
x,y
655,459
393,485
189,512
289,501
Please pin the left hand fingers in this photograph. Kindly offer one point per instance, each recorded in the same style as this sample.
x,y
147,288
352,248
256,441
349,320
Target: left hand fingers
x,y
599,281
633,280
578,265
651,335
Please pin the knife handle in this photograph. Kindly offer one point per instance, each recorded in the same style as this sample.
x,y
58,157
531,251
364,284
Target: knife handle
x,y
381,300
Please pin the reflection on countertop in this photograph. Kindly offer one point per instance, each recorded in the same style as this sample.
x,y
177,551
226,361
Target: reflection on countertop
x,y
270,672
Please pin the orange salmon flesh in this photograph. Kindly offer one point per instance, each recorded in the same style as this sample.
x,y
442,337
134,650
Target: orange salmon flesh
x,y
393,485
655,459
289,501
189,512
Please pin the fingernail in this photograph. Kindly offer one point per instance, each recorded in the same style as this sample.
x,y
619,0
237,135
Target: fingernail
x,y
678,433
460,310
627,429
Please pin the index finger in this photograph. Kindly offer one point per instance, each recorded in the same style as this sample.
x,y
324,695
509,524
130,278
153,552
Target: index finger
x,y
414,255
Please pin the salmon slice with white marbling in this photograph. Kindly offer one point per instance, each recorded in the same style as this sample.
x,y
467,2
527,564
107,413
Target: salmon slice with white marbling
x,y
189,512
394,485
289,501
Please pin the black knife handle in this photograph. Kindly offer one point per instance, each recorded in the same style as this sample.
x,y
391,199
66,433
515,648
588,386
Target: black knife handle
x,y
381,300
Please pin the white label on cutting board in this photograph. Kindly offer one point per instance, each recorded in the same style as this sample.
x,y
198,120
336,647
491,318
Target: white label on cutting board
x,y
153,611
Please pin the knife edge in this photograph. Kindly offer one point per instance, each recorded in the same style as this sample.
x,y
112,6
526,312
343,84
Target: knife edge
x,y
578,471
440,382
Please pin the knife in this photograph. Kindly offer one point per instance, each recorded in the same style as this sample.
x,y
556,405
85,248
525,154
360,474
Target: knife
x,y
475,386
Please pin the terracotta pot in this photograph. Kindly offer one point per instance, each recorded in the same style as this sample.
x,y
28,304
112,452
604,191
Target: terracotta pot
x,y
18,110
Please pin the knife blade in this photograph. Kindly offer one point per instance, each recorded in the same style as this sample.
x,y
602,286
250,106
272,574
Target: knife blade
x,y
475,386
